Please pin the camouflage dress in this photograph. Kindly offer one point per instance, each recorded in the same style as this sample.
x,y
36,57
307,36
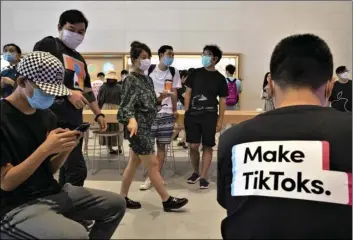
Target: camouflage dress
x,y
139,101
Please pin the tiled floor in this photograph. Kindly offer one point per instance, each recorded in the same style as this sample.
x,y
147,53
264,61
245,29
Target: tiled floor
x,y
200,219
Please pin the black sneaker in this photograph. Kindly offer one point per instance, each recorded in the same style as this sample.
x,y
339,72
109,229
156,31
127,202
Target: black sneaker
x,y
132,204
174,203
204,184
194,178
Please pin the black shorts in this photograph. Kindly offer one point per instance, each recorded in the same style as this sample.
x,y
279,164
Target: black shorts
x,y
201,126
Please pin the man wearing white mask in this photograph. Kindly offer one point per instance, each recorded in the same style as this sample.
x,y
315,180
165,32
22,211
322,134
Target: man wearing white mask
x,y
341,97
72,28
165,78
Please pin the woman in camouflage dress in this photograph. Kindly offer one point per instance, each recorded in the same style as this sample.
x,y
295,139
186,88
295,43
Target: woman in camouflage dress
x,y
138,108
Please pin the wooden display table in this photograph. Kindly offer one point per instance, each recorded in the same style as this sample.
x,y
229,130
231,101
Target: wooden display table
x,y
229,116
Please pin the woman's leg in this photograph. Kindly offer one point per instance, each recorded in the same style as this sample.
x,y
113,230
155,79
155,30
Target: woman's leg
x,y
129,173
153,173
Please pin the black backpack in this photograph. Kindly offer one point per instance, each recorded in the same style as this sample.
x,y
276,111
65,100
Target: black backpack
x,y
153,66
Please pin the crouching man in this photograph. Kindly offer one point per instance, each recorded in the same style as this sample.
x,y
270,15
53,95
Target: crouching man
x,y
33,204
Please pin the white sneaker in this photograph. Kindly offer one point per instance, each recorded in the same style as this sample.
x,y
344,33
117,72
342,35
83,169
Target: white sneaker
x,y
146,185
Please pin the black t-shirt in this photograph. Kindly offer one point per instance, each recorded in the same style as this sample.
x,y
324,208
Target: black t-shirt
x,y
76,78
254,217
21,135
341,96
206,87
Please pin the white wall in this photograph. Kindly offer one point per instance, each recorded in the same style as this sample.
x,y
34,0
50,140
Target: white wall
x,y
249,28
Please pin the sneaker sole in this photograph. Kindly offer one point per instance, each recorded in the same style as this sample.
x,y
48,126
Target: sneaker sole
x,y
203,187
144,188
171,209
193,182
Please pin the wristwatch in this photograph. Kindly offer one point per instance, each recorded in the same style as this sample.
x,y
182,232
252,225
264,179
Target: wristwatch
x,y
99,115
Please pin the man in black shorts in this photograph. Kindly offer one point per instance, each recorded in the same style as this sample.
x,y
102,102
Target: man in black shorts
x,y
286,174
203,87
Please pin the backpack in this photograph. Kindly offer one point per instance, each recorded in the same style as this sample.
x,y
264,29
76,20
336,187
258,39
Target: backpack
x,y
153,66
233,96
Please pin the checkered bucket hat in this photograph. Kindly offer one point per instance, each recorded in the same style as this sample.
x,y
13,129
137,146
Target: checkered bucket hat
x,y
46,71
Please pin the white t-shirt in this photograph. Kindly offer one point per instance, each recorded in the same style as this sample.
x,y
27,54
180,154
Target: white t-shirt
x,y
158,76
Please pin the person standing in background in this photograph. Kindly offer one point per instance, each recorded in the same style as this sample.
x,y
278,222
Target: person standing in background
x,y
180,132
230,71
123,74
72,29
12,54
138,108
163,125
202,119
96,84
234,90
341,97
266,95
109,97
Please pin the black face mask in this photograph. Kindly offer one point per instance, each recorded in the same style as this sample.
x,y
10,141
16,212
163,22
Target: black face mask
x,y
111,81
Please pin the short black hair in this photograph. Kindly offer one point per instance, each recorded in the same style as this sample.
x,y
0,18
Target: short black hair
x,y
137,48
163,49
73,16
124,72
302,60
341,69
100,74
230,68
215,50
18,49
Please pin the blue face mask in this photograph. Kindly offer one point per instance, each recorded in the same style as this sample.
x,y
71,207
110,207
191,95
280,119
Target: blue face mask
x,y
40,100
10,57
206,61
168,61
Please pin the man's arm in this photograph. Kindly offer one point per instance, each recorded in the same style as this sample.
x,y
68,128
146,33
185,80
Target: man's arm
x,y
57,161
174,99
13,176
223,93
187,98
222,109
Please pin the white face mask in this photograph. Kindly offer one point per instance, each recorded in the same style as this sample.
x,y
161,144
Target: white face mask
x,y
71,39
145,64
344,75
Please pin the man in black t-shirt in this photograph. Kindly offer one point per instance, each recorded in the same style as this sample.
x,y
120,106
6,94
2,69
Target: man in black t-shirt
x,y
202,121
72,29
341,96
286,174
33,204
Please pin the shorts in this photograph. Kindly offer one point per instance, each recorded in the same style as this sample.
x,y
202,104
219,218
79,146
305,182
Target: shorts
x,y
201,126
163,127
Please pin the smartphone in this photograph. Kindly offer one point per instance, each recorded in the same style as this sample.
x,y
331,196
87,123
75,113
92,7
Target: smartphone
x,y
134,139
83,127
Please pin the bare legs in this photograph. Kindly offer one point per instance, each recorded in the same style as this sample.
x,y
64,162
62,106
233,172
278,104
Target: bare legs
x,y
195,159
153,172
129,173
160,155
